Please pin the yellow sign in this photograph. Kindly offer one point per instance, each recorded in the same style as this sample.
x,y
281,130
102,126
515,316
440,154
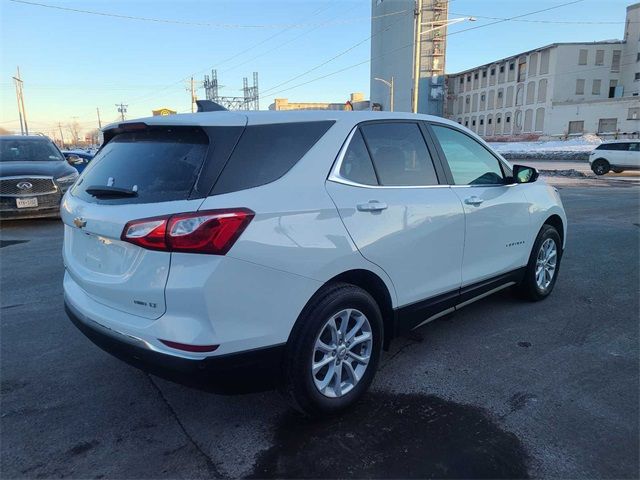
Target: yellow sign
x,y
163,112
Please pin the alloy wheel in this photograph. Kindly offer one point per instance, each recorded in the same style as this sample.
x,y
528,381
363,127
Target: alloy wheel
x,y
546,263
341,353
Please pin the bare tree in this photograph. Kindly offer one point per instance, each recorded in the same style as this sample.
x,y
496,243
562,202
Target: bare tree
x,y
74,131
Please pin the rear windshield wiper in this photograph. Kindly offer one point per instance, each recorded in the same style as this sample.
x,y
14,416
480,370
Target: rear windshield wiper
x,y
106,191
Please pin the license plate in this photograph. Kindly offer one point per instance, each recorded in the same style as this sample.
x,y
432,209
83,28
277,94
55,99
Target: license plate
x,y
26,202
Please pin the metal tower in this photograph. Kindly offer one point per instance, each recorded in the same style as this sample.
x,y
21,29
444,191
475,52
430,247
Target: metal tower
x,y
248,101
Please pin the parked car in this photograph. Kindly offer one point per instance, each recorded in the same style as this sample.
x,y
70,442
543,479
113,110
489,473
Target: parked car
x,y
299,246
33,177
79,160
619,155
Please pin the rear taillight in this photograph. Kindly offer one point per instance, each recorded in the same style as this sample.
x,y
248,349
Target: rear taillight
x,y
211,231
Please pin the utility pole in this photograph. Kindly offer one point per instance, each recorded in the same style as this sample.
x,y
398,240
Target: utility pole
x,y
20,98
122,109
416,55
99,122
193,96
390,85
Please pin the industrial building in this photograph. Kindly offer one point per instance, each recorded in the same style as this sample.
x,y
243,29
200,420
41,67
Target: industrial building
x,y
395,27
557,90
356,102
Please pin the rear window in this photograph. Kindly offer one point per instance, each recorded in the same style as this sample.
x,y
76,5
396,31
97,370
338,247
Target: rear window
x,y
14,149
266,152
161,164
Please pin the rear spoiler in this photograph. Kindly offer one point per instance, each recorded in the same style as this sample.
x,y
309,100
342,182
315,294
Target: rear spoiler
x,y
209,106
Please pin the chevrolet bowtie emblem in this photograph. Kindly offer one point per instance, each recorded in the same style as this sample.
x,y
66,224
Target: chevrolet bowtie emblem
x,y
79,222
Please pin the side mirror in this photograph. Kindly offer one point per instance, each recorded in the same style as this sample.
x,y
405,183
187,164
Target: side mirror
x,y
74,160
522,174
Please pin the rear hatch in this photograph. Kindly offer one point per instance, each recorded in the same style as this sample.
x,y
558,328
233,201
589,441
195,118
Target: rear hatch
x,y
141,172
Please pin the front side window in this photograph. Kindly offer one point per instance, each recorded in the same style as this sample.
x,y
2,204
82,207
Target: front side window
x,y
470,162
356,164
399,153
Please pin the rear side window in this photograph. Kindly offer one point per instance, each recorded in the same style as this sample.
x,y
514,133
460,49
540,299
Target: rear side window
x,y
161,164
266,152
399,154
356,164
469,161
634,147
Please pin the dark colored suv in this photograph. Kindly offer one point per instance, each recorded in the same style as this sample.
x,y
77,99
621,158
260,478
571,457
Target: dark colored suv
x,y
33,177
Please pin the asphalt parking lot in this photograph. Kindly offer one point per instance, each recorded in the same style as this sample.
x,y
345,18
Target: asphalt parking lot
x,y
502,389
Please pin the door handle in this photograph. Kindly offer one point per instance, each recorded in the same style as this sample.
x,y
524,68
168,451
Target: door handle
x,y
475,201
372,206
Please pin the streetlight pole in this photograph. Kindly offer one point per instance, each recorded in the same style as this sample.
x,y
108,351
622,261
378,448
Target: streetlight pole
x,y
390,85
419,33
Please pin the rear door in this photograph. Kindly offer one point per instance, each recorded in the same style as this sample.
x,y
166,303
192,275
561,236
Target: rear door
x,y
386,187
496,214
165,166
632,159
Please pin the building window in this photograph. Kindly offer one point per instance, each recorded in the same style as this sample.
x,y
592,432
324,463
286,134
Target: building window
x,y
475,76
595,90
489,121
500,93
507,119
599,57
607,125
522,71
498,120
638,57
501,68
483,97
634,113
482,121
484,74
493,69
466,123
582,56
615,61
461,80
468,78
580,86
637,76
512,66
612,88
473,122
576,127
467,100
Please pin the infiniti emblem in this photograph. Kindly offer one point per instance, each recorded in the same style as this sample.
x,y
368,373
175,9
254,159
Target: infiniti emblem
x,y
79,222
24,185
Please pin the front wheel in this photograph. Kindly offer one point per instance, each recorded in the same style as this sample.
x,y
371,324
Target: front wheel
x,y
333,350
600,166
544,263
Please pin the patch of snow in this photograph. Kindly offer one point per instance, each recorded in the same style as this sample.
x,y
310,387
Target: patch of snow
x,y
585,143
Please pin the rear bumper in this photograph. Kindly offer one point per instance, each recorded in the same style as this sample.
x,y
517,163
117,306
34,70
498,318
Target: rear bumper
x,y
242,372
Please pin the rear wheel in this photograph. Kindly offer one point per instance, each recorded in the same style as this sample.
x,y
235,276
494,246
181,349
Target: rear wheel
x,y
333,351
600,166
544,262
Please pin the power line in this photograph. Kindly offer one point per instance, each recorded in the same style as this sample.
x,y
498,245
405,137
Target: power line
x,y
196,24
562,22
412,43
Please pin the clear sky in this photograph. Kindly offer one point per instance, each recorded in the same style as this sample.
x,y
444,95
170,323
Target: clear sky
x,y
73,62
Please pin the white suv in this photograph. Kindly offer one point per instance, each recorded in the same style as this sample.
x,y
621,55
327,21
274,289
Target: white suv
x,y
213,247
618,156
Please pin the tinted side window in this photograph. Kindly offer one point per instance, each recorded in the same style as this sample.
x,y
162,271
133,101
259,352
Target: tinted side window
x,y
162,163
356,164
469,161
266,152
399,154
634,147
614,146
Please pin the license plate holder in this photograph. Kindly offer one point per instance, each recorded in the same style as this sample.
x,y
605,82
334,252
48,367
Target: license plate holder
x,y
26,202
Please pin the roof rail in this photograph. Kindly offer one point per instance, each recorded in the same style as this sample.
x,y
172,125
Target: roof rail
x,y
209,106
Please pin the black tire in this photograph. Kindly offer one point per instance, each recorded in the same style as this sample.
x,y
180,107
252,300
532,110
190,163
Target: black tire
x,y
528,287
600,166
617,170
298,386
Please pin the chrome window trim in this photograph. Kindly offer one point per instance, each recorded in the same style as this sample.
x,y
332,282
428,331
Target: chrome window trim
x,y
334,175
